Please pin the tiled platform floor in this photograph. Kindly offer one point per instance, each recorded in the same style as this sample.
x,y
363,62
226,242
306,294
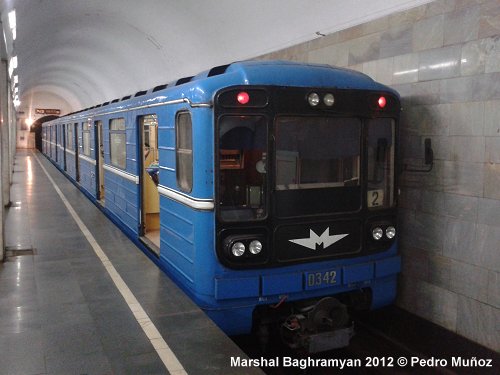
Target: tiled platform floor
x,y
60,312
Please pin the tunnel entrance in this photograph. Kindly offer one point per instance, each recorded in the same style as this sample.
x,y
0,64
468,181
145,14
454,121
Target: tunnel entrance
x,y
37,129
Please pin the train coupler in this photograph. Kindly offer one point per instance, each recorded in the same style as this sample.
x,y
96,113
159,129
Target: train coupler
x,y
323,326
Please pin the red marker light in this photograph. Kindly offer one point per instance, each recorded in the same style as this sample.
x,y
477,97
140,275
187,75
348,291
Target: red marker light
x,y
382,102
243,97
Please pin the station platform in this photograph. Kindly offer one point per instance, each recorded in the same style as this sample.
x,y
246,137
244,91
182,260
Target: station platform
x,y
78,297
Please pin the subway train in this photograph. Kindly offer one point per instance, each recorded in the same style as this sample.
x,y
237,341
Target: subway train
x,y
267,190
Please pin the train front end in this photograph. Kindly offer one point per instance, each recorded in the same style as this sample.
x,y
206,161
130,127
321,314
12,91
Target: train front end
x,y
306,221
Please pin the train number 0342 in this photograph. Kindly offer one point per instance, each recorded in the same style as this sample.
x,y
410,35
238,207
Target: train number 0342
x,y
321,279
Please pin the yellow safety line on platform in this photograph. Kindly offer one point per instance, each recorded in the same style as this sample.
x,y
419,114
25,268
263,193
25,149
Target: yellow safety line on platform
x,y
165,353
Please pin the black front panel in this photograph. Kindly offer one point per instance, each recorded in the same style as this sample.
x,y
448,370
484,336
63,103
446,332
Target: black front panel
x,y
317,240
316,217
294,203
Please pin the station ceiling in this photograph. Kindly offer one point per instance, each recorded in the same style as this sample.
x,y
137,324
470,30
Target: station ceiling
x,y
73,54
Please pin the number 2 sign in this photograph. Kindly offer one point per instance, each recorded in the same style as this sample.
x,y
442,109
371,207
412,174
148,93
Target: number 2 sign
x,y
375,198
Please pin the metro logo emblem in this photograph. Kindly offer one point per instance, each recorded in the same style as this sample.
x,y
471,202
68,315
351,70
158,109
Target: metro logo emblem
x,y
314,240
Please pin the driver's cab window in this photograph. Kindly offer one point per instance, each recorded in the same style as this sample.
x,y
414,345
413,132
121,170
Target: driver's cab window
x,y
242,167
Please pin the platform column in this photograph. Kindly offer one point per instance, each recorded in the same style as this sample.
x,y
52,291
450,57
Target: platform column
x,y
5,151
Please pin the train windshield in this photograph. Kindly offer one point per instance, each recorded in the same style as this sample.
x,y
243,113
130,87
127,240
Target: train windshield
x,y
380,163
242,167
317,152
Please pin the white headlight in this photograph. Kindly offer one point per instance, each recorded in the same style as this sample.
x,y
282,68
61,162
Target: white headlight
x,y
238,249
313,99
390,232
255,247
377,233
329,100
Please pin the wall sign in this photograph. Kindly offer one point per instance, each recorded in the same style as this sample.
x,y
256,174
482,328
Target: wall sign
x,y
46,111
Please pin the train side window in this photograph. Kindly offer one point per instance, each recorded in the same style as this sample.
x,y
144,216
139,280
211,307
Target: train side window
x,y
86,126
69,138
117,141
184,151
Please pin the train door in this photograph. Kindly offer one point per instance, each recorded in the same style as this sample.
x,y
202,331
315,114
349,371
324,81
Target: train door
x,y
77,159
99,157
54,129
64,145
150,199
49,144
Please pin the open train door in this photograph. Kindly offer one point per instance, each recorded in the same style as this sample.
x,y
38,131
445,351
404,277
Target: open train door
x,y
148,177
99,152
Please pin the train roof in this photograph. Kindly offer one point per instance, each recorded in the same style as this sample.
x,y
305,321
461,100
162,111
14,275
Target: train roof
x,y
202,87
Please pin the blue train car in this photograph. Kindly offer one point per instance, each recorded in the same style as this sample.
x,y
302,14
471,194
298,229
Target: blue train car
x,y
266,190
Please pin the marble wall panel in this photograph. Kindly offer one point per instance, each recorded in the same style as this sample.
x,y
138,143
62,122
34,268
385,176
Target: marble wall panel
x,y
409,125
462,25
462,207
439,63
465,119
405,68
456,89
485,87
427,92
351,33
492,63
469,280
460,242
440,271
406,223
364,49
429,232
468,149
474,55
406,17
492,150
380,70
441,146
428,33
431,202
489,22
492,181
492,118
478,321
380,24
405,92
334,55
489,212
439,7
323,41
494,289
408,198
463,178
415,263
396,41
407,293
437,304
488,247
432,180
429,119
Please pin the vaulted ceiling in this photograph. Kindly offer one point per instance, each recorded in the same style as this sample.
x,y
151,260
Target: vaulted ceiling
x,y
77,53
